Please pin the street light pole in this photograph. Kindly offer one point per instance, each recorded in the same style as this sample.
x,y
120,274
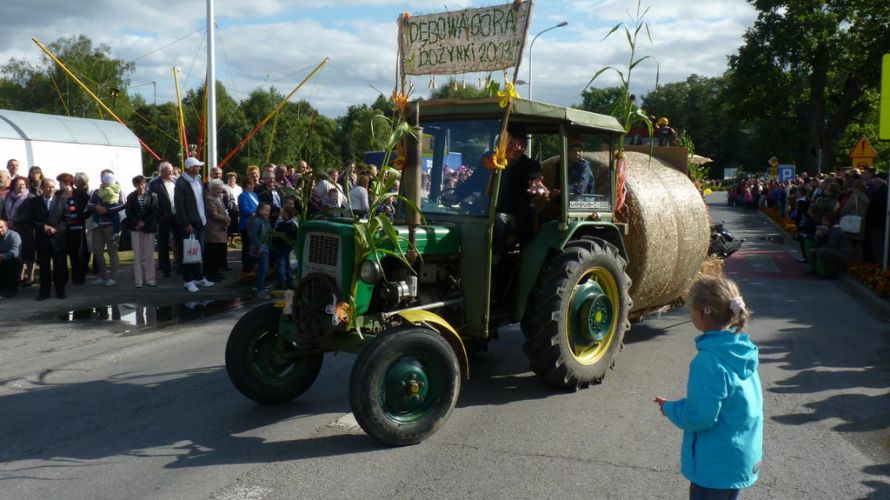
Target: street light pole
x,y
530,47
154,86
528,138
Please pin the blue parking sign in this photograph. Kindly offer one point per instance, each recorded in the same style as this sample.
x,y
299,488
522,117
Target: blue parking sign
x,y
786,172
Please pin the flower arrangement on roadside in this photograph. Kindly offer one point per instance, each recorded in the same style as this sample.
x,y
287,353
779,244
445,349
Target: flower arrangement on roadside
x,y
786,223
871,276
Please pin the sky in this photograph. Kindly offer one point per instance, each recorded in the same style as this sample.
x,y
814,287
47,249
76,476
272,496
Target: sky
x,y
263,43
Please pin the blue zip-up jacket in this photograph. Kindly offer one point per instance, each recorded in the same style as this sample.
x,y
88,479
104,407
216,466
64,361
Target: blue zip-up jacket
x,y
247,205
722,414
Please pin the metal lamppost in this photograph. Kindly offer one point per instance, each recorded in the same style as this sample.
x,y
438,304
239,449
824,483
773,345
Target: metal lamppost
x,y
528,138
530,46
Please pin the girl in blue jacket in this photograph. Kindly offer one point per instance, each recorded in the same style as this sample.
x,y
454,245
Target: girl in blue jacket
x,y
722,413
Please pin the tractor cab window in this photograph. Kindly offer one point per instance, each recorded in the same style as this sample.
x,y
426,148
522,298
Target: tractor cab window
x,y
454,178
589,174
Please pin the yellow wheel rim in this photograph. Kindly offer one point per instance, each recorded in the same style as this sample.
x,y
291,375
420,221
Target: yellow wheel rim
x,y
592,315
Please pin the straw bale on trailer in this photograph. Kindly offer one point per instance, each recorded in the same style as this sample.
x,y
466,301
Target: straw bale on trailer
x,y
668,236
667,240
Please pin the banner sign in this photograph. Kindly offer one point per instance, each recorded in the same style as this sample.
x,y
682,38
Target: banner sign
x,y
730,173
464,41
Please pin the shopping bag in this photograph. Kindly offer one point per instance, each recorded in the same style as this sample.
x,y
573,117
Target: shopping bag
x,y
850,223
191,250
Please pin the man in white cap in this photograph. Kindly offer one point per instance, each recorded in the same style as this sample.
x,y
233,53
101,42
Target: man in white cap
x,y
188,202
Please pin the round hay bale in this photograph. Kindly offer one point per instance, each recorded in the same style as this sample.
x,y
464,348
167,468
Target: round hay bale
x,y
667,240
668,236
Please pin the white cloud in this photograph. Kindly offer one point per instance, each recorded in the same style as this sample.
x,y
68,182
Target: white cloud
x,y
277,42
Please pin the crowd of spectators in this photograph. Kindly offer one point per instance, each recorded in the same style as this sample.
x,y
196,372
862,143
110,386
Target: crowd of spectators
x,y
839,217
64,229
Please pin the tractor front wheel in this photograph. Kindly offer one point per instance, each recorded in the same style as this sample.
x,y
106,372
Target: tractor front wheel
x,y
264,366
404,385
577,316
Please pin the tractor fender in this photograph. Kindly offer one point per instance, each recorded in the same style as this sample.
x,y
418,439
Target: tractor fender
x,y
446,330
551,238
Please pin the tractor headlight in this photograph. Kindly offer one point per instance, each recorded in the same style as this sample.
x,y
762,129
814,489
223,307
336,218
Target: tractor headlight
x,y
370,272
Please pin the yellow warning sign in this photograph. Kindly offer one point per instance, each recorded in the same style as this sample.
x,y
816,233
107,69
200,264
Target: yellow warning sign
x,y
884,129
774,161
863,154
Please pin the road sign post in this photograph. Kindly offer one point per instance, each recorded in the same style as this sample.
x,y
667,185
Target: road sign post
x,y
884,129
884,135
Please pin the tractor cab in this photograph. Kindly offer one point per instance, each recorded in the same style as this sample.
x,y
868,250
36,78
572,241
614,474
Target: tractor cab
x,y
572,150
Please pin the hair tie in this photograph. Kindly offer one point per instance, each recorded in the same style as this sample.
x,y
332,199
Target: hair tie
x,y
706,310
736,305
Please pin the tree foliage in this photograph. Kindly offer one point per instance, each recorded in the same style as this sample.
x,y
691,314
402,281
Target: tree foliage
x,y
46,88
805,70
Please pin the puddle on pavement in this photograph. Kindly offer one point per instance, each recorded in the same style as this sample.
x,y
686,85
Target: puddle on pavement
x,y
133,319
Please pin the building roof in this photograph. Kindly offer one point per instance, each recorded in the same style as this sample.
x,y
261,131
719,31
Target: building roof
x,y
55,128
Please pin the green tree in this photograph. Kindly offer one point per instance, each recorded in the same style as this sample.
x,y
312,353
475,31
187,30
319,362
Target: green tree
x,y
697,107
231,125
365,128
604,101
805,68
157,126
46,88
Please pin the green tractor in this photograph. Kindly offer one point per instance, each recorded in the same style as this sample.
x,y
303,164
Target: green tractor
x,y
412,320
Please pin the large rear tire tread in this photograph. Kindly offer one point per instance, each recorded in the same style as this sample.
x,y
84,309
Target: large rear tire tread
x,y
544,324
262,323
371,366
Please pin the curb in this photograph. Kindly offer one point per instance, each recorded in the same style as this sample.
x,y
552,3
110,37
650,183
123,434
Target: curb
x,y
863,294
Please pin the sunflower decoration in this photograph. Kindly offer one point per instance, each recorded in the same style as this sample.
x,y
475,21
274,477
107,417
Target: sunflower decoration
x,y
500,157
497,160
508,94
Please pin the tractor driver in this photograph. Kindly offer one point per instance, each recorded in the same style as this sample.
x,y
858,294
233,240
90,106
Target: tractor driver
x,y
520,182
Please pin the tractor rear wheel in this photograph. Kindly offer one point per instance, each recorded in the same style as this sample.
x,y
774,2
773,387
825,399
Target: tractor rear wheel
x,y
576,318
404,385
262,365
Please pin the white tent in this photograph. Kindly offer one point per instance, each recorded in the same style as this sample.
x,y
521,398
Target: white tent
x,y
60,144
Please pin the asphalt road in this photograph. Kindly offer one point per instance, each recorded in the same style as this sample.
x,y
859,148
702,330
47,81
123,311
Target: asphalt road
x,y
105,409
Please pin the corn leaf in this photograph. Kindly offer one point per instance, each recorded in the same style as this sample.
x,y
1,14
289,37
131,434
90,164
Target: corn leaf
x,y
613,30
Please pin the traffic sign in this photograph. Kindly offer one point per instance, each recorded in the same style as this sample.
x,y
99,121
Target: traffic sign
x,y
863,154
786,172
774,162
884,129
